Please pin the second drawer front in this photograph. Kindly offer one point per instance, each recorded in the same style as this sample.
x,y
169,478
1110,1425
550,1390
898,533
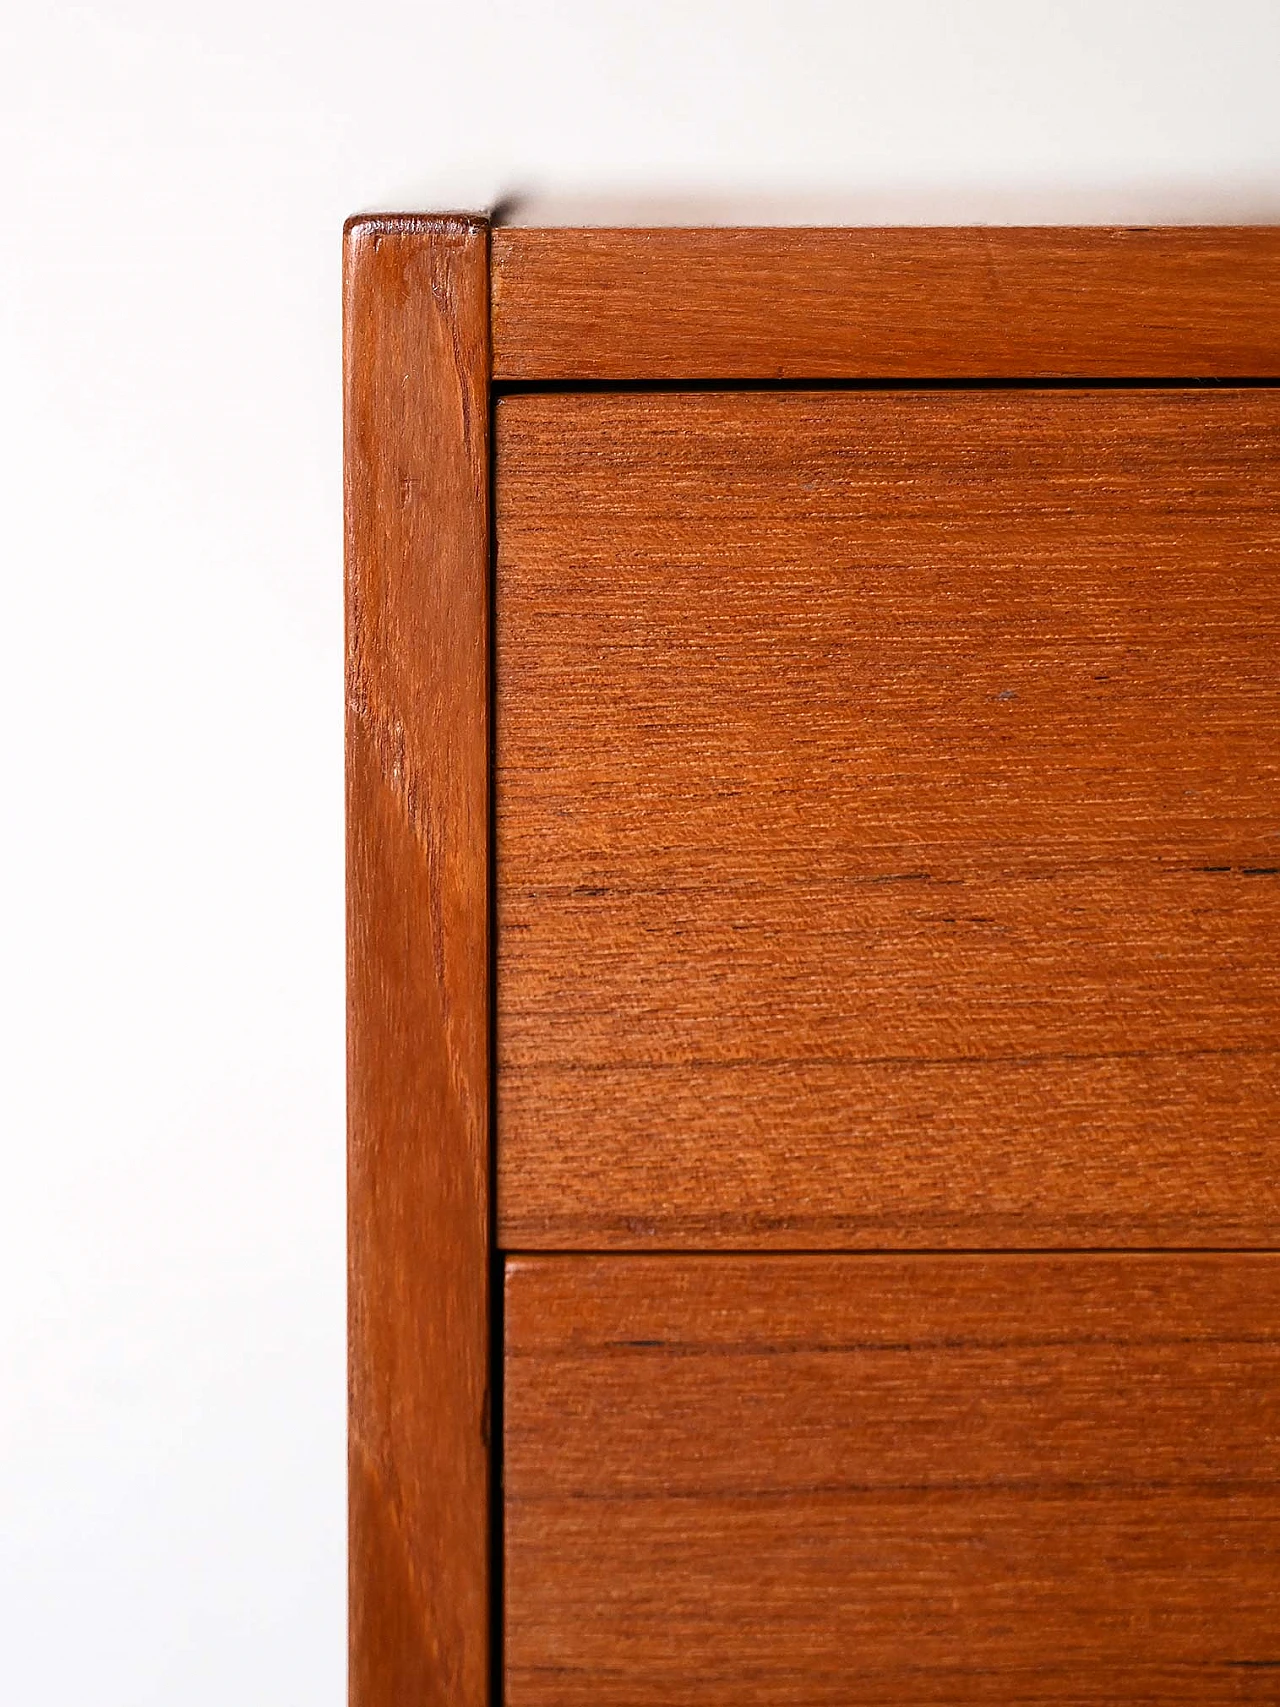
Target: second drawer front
x,y
820,1480
888,819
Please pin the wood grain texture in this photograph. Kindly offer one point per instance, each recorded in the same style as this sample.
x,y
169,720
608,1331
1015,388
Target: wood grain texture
x,y
919,303
817,1480
888,819
417,802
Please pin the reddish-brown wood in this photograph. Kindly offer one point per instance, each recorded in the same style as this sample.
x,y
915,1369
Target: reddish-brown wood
x,y
914,303
888,818
888,854
417,793
823,1480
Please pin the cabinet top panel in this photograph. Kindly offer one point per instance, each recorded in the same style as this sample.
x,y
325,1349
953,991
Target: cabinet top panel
x,y
907,303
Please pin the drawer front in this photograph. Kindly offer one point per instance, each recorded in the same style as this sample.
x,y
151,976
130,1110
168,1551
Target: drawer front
x,y
825,1479
887,796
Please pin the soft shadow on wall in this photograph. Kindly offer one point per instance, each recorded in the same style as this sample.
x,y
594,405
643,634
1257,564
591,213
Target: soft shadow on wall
x,y
1134,202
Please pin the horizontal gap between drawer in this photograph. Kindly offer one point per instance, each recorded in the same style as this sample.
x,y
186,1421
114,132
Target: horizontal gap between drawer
x,y
977,382
821,1252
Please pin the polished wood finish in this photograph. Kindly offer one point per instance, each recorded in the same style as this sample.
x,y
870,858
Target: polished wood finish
x,y
888,818
417,791
888,855
823,1480
922,303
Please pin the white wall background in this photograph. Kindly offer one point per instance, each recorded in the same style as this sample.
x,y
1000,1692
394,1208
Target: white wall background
x,y
174,177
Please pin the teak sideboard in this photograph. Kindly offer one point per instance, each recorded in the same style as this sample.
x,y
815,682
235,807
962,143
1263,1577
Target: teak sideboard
x,y
814,873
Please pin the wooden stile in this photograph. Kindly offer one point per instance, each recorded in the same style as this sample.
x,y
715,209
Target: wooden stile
x,y
417,470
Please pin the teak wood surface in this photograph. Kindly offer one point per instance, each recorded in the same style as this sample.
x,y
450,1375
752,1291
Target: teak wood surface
x,y
886,853
417,450
820,1480
924,303
888,818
